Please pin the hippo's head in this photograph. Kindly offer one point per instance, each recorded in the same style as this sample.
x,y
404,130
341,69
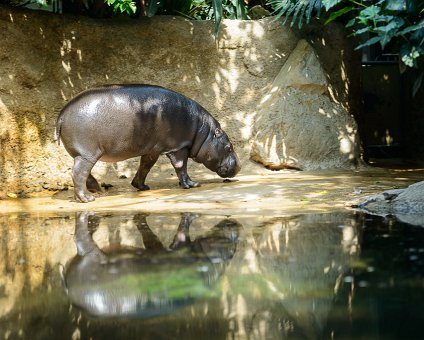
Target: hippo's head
x,y
217,154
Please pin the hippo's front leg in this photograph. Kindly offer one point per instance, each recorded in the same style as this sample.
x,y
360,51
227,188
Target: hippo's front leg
x,y
179,162
182,237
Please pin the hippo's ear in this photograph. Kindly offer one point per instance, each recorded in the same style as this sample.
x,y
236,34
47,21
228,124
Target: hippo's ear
x,y
218,132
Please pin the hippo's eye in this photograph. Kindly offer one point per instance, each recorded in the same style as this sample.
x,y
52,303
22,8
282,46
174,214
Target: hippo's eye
x,y
228,148
218,132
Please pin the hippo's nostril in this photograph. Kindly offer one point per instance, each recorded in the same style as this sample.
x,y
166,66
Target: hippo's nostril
x,y
222,171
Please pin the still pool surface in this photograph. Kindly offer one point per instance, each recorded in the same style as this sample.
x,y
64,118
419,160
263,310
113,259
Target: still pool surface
x,y
86,275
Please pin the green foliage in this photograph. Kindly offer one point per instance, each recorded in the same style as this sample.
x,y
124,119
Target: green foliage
x,y
388,20
200,9
399,23
217,11
234,9
41,3
153,6
231,9
123,6
193,9
296,9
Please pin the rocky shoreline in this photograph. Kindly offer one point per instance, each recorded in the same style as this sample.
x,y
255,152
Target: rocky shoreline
x,y
407,204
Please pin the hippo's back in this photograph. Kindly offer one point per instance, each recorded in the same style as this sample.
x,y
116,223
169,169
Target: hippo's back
x,y
117,122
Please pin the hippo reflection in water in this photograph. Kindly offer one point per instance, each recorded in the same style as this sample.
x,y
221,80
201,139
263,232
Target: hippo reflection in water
x,y
150,281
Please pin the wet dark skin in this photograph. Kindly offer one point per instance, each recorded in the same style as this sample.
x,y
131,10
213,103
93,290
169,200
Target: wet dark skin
x,y
119,122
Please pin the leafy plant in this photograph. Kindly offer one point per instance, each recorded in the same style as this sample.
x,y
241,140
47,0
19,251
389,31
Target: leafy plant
x,y
296,9
201,9
123,6
193,9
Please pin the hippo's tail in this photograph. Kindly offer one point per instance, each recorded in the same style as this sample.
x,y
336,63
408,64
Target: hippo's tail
x,y
58,128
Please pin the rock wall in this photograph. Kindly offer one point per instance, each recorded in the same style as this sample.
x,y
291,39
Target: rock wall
x,y
46,59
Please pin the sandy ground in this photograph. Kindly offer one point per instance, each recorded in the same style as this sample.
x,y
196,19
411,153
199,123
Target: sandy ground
x,y
255,191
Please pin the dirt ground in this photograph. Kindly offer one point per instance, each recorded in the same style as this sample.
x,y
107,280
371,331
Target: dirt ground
x,y
255,191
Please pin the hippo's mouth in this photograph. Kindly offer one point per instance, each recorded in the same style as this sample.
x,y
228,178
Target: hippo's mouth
x,y
225,172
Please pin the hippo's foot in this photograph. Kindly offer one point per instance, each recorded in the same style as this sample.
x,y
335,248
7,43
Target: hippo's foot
x,y
84,197
81,176
143,187
139,186
189,184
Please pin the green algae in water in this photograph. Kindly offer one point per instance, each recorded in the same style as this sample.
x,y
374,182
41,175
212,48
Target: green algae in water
x,y
168,282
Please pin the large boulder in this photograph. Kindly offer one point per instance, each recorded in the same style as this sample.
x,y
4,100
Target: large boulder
x,y
300,124
406,204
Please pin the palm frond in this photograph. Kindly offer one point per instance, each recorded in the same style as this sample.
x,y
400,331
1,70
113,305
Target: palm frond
x,y
297,10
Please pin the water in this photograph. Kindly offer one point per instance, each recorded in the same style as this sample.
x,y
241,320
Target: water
x,y
341,275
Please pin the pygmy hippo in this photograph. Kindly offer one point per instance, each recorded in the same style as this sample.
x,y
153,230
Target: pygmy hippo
x,y
117,122
131,282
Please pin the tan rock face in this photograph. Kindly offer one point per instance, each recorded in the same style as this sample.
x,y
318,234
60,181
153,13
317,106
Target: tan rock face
x,y
299,124
47,59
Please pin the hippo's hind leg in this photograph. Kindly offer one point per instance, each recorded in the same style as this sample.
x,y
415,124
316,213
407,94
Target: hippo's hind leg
x,y
80,174
92,184
85,224
146,163
179,162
